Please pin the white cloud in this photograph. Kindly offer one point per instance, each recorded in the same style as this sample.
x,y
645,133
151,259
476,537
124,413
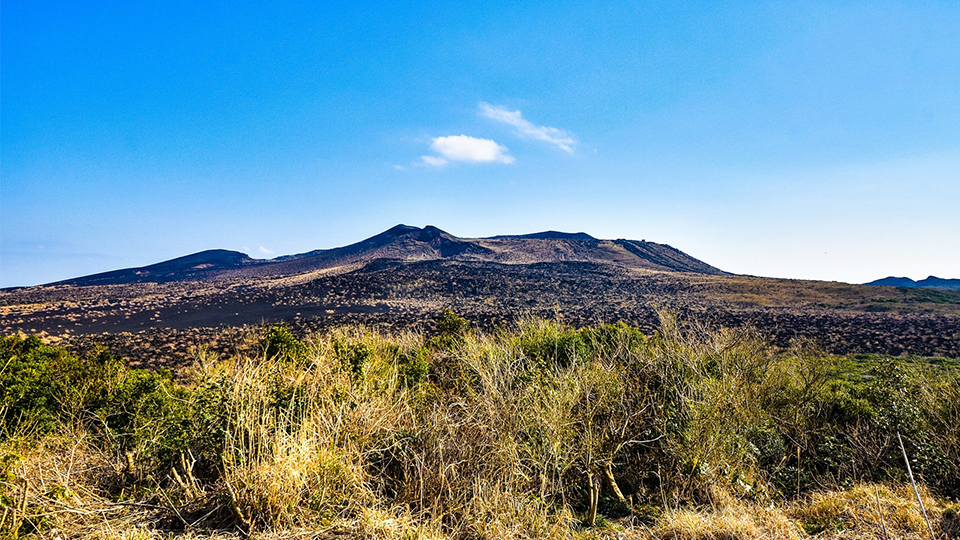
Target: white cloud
x,y
468,149
434,161
557,137
265,251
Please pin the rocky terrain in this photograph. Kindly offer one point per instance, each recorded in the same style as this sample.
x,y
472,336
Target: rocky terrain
x,y
406,276
410,244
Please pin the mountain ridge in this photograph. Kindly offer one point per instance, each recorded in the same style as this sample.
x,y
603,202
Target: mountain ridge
x,y
932,282
194,265
409,243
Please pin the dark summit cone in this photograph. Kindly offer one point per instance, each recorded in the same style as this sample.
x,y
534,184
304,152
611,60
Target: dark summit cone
x,y
406,243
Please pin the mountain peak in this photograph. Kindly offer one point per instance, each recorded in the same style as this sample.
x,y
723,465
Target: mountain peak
x,y
407,243
198,265
551,235
932,282
399,229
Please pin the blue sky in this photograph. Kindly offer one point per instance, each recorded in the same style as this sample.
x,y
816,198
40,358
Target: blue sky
x,y
801,140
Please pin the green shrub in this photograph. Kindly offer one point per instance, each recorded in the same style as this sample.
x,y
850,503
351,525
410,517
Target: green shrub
x,y
548,346
618,339
413,367
280,343
29,384
44,388
353,357
451,331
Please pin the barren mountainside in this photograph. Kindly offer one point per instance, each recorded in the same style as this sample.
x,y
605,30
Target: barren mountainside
x,y
405,276
411,244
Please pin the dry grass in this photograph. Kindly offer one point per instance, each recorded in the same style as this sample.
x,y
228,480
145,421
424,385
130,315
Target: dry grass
x,y
59,485
727,518
64,478
497,443
736,523
864,510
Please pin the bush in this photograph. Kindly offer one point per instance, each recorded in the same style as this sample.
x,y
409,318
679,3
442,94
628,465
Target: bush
x,y
42,387
280,343
45,389
548,345
528,430
413,366
29,384
451,331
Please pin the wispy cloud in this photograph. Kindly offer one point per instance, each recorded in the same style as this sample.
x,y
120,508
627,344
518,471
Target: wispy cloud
x,y
467,149
434,161
557,137
264,250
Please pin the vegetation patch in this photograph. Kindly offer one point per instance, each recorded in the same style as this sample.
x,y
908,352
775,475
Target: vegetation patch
x,y
535,431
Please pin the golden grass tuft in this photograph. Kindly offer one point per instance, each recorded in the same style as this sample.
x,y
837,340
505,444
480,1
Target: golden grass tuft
x,y
857,512
495,512
395,524
729,518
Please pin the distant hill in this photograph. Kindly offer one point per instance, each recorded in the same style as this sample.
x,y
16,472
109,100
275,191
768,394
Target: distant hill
x,y
412,244
931,282
405,276
195,267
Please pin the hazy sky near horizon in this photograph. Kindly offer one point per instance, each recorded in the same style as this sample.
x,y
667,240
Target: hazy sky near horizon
x,y
816,140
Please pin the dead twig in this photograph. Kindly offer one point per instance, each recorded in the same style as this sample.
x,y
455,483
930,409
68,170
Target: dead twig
x,y
914,484
174,508
243,523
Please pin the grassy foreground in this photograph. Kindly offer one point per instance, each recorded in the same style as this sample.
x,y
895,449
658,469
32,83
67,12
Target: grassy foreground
x,y
538,431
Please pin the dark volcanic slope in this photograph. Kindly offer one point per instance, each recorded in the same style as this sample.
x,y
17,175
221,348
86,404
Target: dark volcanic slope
x,y
196,267
667,257
402,242
159,322
411,244
407,275
931,282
